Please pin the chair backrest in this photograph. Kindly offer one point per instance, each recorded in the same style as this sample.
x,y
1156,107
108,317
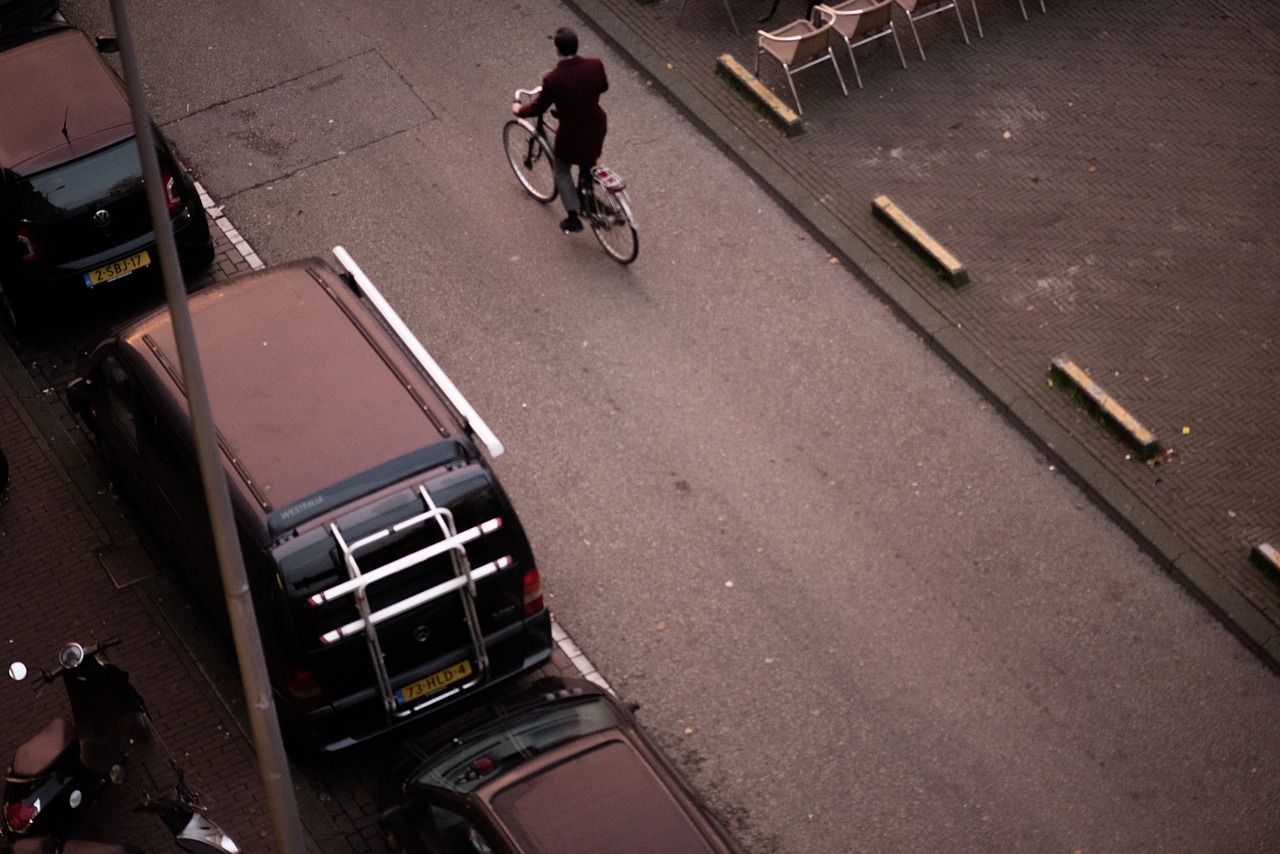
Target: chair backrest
x,y
812,46
796,44
851,18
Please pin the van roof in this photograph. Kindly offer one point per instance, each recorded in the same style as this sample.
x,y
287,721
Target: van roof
x,y
308,390
56,81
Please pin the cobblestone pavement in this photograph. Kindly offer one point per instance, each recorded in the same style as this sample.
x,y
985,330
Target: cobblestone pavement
x,y
1107,174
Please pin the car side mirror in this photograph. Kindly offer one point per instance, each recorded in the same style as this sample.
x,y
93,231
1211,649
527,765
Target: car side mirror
x,y
107,44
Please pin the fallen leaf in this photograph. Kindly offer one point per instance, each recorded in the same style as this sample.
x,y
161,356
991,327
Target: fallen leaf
x,y
661,625
688,730
1007,135
1093,168
1186,430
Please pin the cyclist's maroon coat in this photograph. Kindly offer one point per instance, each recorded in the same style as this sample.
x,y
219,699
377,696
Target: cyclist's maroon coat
x,y
574,88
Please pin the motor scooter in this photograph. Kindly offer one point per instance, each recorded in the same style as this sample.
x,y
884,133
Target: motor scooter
x,y
191,830
181,813
56,775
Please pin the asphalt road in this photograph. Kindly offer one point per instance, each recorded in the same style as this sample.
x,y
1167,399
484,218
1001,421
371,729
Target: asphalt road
x,y
856,607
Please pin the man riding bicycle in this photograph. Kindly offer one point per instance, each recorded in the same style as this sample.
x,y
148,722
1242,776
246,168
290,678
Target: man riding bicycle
x,y
574,88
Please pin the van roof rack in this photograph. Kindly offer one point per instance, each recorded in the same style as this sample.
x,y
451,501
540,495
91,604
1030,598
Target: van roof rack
x,y
474,423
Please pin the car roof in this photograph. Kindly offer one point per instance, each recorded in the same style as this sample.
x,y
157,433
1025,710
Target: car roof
x,y
52,81
606,796
307,389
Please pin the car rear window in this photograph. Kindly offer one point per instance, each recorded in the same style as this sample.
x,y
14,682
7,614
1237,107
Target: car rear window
x,y
103,175
605,799
525,737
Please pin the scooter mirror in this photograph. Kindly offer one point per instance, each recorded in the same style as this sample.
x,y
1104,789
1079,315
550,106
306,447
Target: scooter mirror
x,y
17,671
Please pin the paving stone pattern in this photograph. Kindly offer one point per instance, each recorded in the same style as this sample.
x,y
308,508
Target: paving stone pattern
x,y
1107,172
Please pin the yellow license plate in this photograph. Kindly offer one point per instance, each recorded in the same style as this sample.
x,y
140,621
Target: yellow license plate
x,y
435,682
117,269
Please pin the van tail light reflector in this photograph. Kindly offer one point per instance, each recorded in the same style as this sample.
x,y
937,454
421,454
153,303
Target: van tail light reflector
x,y
532,593
171,196
30,252
304,688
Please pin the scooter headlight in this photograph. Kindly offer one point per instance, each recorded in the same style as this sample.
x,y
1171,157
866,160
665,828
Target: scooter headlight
x,y
71,656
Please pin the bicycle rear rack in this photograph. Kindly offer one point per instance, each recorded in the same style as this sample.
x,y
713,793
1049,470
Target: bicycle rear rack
x,y
453,543
608,179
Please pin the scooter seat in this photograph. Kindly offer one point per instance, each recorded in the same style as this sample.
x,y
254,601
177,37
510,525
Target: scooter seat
x,y
34,758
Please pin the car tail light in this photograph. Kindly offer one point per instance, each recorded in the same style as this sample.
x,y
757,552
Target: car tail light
x,y
30,252
171,196
18,816
304,689
532,593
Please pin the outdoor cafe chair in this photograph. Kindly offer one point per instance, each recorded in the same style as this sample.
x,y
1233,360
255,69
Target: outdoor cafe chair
x,y
797,46
920,9
859,23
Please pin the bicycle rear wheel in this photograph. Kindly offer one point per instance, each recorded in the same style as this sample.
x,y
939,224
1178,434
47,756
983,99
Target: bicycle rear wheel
x,y
531,160
612,225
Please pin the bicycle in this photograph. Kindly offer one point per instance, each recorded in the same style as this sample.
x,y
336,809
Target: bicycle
x,y
602,194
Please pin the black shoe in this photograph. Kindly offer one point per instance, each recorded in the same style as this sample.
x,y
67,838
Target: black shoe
x,y
571,223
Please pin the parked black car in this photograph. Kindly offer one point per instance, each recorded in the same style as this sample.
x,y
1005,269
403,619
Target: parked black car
x,y
73,210
559,768
390,574
20,13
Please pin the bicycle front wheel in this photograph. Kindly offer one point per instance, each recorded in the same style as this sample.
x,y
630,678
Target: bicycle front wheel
x,y
612,225
531,160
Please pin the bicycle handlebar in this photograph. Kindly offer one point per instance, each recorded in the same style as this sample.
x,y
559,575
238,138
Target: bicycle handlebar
x,y
521,94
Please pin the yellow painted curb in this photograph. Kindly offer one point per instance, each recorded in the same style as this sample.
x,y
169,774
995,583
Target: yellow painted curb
x,y
1264,555
951,266
1142,438
734,71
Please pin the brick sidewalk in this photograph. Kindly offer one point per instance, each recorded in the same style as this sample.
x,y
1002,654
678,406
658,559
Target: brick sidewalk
x,y
52,550
1108,176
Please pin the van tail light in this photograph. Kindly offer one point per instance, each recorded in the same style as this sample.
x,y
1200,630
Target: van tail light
x,y
30,251
18,816
171,196
532,593
304,689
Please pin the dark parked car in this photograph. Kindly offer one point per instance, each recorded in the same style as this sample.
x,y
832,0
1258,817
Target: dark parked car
x,y
390,574
73,210
561,768
20,13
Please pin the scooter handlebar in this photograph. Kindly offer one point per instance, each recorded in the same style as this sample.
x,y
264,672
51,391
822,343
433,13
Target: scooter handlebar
x,y
72,655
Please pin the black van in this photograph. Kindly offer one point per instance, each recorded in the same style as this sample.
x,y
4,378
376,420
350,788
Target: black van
x,y
390,574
